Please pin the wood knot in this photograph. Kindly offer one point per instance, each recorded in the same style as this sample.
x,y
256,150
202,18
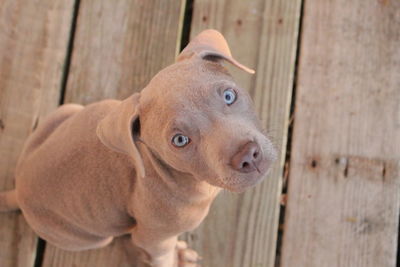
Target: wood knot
x,y
314,163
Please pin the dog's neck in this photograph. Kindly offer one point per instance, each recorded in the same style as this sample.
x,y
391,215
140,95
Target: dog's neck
x,y
190,189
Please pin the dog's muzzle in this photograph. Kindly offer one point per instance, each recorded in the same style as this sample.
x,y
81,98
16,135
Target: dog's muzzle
x,y
247,159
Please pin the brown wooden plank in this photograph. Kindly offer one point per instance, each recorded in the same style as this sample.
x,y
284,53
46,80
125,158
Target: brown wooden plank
x,y
344,190
241,230
33,45
119,46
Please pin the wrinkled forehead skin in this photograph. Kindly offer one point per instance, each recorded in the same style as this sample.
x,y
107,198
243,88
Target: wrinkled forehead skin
x,y
183,84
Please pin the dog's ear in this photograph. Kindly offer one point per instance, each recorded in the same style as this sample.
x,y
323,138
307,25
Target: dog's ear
x,y
119,130
211,45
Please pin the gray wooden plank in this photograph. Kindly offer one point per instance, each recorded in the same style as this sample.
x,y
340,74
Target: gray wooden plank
x,y
33,45
120,45
344,185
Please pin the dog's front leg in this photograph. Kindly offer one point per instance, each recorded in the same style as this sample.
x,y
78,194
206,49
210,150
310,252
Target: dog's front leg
x,y
162,251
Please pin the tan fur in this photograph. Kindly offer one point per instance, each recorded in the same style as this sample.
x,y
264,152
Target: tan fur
x,y
88,174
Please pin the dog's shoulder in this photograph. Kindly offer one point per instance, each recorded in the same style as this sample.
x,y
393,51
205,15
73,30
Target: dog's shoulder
x,y
95,112
101,108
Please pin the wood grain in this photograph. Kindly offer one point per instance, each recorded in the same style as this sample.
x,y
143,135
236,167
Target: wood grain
x,y
241,230
119,46
344,185
33,46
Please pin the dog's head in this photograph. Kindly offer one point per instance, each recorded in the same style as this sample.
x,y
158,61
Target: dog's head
x,y
196,119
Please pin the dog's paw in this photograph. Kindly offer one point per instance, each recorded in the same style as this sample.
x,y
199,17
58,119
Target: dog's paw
x,y
186,257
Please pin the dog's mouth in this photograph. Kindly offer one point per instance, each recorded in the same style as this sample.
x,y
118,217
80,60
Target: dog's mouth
x,y
240,183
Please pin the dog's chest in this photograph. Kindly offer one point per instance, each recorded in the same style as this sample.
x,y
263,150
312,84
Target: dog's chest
x,y
181,216
189,217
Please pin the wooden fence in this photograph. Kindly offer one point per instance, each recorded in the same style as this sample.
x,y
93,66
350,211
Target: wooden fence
x,y
327,87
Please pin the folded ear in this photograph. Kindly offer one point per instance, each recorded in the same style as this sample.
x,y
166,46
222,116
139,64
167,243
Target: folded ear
x,y
211,45
119,130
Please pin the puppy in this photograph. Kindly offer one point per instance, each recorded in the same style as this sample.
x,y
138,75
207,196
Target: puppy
x,y
149,165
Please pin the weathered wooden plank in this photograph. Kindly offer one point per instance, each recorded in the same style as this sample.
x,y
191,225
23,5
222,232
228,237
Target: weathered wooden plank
x,y
344,189
118,47
33,45
241,230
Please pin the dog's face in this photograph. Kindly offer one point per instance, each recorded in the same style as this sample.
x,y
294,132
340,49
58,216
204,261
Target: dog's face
x,y
196,120
199,121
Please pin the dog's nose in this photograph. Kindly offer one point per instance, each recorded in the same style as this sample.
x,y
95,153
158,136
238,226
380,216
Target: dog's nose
x,y
247,158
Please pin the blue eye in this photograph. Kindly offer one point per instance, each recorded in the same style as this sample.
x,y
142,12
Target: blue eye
x,y
229,96
180,140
